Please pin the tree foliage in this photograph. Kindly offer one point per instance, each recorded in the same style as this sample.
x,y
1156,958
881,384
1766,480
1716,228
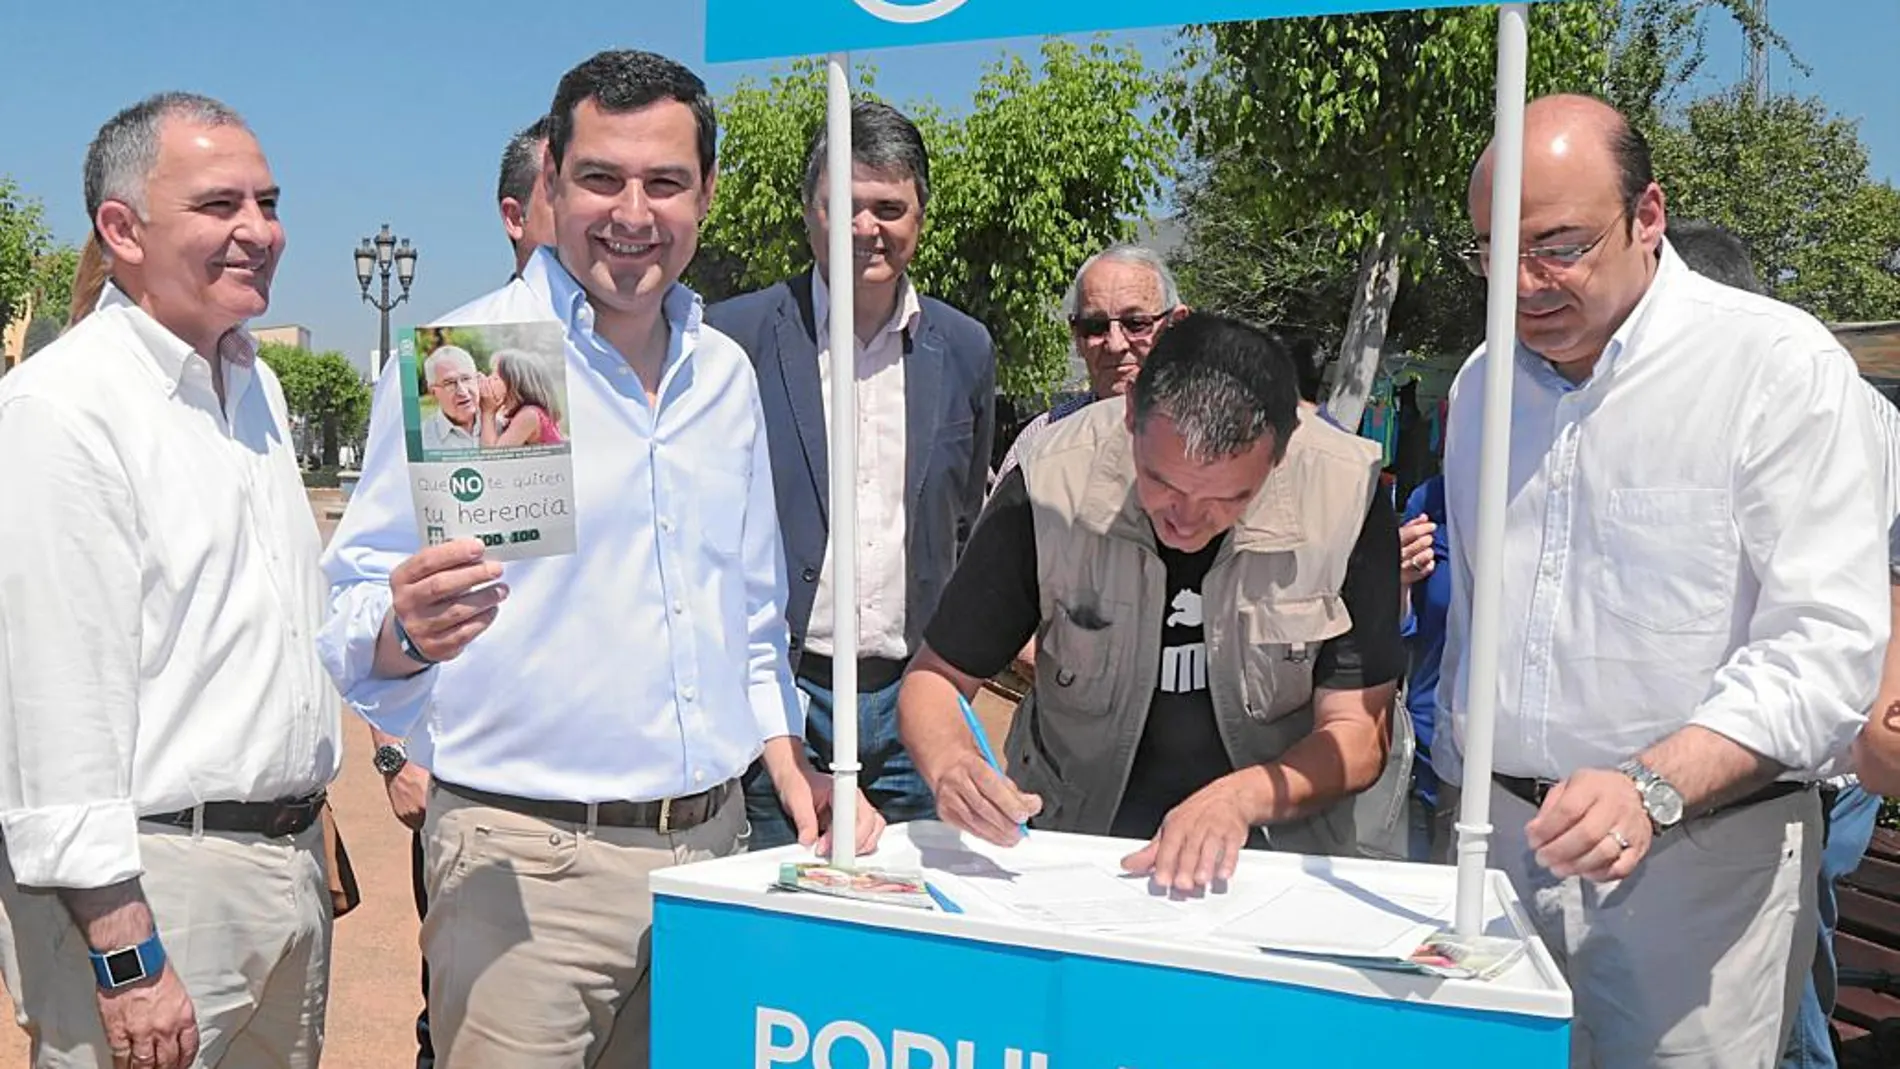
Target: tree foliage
x,y
1791,180
324,391
1055,160
23,238
53,275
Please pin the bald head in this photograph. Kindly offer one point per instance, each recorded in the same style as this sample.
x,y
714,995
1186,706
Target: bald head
x,y
1592,222
1583,137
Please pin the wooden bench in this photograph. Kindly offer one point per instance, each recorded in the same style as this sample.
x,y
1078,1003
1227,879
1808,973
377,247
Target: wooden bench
x,y
1869,939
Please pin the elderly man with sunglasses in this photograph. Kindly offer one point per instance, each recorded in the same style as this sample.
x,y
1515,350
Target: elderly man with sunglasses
x,y
1694,612
1117,307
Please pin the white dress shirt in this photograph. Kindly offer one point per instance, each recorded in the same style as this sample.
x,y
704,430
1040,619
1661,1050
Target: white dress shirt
x,y
648,664
882,447
1691,539
159,596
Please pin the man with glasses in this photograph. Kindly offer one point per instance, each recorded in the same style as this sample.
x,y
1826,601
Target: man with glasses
x,y
1117,306
1694,610
457,389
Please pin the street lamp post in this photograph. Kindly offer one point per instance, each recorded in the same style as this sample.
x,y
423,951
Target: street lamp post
x,y
374,257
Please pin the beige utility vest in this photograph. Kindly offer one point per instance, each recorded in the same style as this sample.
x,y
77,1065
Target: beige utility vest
x,y
1271,597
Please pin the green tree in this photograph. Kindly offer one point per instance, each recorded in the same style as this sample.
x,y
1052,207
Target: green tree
x,y
1055,160
1790,179
53,275
23,237
324,391
1365,127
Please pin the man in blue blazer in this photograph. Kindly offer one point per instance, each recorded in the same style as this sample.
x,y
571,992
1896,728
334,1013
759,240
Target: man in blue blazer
x,y
926,386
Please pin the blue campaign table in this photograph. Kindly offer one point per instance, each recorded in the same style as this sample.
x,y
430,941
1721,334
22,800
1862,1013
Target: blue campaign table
x,y
746,977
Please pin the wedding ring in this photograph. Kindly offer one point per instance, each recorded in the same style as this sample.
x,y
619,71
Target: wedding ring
x,y
1622,841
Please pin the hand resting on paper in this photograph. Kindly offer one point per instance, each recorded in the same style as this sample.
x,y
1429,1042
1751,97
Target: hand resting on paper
x,y
1199,842
434,595
806,793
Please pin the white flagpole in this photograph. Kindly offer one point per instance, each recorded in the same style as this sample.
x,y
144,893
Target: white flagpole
x,y
844,466
1487,548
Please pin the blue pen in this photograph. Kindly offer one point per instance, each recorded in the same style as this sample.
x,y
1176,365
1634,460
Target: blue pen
x,y
983,745
943,901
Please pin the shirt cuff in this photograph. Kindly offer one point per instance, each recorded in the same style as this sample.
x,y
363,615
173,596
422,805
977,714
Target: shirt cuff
x,y
1808,753
92,844
777,708
347,646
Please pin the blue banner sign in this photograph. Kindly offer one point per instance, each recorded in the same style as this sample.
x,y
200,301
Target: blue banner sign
x,y
766,29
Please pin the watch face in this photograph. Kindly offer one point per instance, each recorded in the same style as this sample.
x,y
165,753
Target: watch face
x,y
389,760
1663,802
124,967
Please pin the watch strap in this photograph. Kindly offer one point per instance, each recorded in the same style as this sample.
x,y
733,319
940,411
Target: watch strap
x,y
114,969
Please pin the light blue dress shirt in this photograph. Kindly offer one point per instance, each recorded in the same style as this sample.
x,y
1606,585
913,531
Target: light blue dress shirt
x,y
651,662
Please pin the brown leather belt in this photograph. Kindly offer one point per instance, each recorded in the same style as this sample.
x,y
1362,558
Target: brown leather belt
x,y
273,820
664,816
1532,791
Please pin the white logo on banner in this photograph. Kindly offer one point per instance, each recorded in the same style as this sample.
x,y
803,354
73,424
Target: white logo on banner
x,y
908,13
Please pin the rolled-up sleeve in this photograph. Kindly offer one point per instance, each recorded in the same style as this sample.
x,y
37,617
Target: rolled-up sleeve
x,y
377,533
1811,533
769,686
70,616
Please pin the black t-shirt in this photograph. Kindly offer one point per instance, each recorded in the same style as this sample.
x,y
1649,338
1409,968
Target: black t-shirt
x,y
992,605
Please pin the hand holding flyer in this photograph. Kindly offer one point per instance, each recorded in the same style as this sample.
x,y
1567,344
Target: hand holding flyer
x,y
485,420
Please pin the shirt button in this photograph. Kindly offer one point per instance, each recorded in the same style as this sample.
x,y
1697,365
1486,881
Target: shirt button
x,y
699,777
678,606
809,575
666,524
688,693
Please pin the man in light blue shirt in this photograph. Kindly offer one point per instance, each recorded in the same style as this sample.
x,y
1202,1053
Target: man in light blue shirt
x,y
593,727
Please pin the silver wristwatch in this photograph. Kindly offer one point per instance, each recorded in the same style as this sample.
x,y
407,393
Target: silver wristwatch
x,y
1661,800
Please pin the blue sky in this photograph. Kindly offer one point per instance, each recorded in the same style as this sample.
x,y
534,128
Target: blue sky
x,y
374,112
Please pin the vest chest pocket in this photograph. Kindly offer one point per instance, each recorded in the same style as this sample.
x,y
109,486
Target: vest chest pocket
x,y
1073,656
1279,649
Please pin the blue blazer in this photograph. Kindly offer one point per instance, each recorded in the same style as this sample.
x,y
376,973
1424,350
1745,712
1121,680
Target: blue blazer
x,y
950,412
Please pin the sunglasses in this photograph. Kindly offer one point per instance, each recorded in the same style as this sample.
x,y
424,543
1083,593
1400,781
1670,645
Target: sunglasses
x,y
1138,325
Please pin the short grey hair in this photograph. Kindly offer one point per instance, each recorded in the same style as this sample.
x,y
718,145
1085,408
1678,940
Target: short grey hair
x,y
432,367
122,155
1140,256
521,163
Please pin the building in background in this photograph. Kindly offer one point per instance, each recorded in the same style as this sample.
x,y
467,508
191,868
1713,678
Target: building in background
x,y
292,334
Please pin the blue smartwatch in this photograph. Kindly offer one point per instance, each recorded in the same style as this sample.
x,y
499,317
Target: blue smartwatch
x,y
126,966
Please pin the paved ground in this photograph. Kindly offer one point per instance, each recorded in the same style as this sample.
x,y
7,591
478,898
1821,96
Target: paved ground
x,y
373,984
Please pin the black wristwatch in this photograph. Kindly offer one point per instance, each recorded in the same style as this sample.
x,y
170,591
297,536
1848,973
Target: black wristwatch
x,y
407,644
391,758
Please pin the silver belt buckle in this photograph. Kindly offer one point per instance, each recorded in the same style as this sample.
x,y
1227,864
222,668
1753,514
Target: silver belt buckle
x,y
666,816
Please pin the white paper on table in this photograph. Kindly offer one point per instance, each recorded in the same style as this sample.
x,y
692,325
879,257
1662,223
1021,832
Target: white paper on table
x,y
1073,895
1311,917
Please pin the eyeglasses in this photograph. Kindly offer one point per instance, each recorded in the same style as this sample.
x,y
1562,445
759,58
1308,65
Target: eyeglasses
x,y
1137,325
1477,258
456,382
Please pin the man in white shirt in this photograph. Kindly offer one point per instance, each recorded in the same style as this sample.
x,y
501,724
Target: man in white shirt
x,y
1848,812
457,388
589,714
166,731
1693,609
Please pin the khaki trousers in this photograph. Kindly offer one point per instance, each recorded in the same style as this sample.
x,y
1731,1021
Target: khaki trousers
x,y
1698,960
538,932
246,924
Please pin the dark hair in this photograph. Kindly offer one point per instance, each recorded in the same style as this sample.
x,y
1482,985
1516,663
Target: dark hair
x,y
1715,252
883,139
521,163
1636,171
628,80
1309,361
1222,383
